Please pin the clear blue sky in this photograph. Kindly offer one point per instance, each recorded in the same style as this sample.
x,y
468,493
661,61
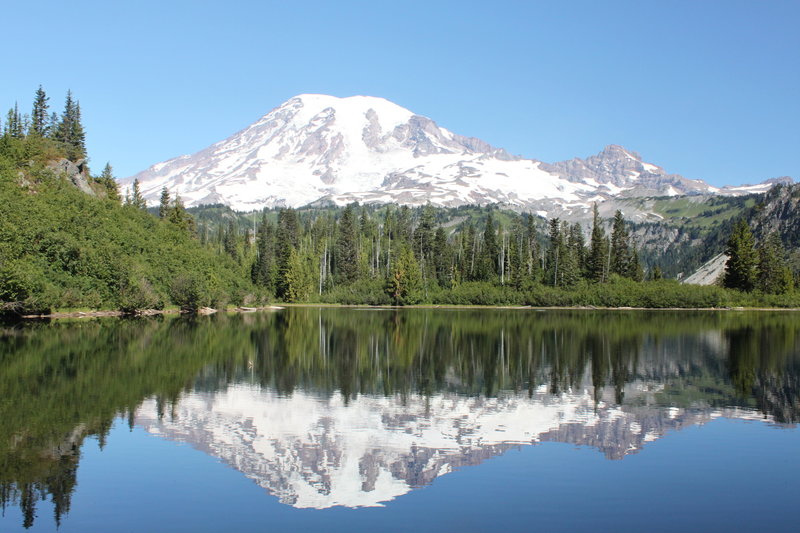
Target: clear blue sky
x,y
705,89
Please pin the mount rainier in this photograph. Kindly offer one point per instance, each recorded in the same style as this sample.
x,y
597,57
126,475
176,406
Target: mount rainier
x,y
318,148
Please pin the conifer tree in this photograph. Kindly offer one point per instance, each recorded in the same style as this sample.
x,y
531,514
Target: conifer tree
x,y
741,268
596,262
70,130
774,276
164,203
620,247
14,125
230,241
442,259
261,273
405,280
106,179
346,251
136,198
487,264
40,119
287,238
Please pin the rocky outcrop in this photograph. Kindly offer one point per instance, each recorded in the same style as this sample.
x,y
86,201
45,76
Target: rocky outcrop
x,y
77,173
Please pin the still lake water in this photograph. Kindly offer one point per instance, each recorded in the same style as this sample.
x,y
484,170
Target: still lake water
x,y
393,420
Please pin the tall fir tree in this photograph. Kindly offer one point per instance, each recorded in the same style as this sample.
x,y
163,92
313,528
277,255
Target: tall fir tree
x,y
346,263
262,271
774,275
106,179
741,269
40,118
287,238
486,268
70,130
598,248
164,203
620,247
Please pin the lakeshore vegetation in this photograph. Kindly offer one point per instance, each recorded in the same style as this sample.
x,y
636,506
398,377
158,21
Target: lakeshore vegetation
x,y
65,246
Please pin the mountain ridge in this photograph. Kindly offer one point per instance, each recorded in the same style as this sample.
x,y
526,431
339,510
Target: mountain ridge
x,y
319,148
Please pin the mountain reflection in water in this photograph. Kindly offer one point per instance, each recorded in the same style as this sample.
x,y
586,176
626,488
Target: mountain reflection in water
x,y
346,407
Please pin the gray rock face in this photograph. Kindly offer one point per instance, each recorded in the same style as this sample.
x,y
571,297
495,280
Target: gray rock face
x,y
76,173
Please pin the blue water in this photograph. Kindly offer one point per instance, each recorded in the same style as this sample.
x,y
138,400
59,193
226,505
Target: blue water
x,y
479,421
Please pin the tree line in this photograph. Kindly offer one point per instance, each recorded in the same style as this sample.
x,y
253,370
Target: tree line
x,y
65,129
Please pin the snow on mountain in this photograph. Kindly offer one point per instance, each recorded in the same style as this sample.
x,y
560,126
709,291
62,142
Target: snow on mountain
x,y
315,451
323,148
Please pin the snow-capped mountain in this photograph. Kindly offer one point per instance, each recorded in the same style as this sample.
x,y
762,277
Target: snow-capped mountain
x,y
367,149
315,451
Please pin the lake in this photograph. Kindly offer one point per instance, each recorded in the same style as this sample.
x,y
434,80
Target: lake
x,y
327,419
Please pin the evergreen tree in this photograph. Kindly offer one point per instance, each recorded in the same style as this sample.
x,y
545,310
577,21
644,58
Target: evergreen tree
x,y
135,197
164,204
468,253
424,234
636,272
262,271
405,280
40,119
180,217
596,262
774,276
14,126
487,265
287,238
442,259
620,247
230,241
297,278
577,245
346,251
106,179
741,268
555,251
70,130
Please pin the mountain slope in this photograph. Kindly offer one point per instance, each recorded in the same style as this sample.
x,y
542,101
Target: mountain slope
x,y
367,149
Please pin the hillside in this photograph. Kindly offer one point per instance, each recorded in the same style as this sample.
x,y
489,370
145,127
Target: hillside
x,y
65,246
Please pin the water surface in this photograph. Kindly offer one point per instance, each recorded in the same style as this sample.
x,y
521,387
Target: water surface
x,y
363,419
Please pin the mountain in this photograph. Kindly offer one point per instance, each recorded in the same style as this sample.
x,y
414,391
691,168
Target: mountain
x,y
318,148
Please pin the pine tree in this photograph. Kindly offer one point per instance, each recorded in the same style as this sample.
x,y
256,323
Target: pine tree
x,y
598,248
106,179
487,265
620,247
180,217
346,250
774,276
230,241
287,238
405,280
40,119
136,198
442,259
70,130
14,126
164,203
741,268
262,271
555,251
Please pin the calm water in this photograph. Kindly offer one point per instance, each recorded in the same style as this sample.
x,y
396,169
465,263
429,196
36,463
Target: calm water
x,y
426,420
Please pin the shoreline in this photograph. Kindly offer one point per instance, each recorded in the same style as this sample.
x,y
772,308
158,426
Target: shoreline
x,y
209,311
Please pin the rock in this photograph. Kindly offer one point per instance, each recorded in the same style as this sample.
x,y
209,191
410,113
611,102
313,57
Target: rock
x,y
75,172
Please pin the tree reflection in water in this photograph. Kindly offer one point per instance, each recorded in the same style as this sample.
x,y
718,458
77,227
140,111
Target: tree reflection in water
x,y
65,381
